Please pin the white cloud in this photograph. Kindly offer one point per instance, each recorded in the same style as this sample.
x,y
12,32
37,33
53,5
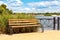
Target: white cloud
x,y
1,2
48,4
23,9
14,0
27,9
17,6
14,4
19,1
44,3
38,4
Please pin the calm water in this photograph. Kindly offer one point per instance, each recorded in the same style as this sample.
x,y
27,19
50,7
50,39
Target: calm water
x,y
47,24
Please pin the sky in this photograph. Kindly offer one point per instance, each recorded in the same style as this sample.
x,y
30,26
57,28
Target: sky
x,y
33,6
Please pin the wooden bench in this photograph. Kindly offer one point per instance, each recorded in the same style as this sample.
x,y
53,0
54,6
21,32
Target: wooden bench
x,y
23,25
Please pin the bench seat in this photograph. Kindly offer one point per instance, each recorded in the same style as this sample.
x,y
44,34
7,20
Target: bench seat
x,y
23,23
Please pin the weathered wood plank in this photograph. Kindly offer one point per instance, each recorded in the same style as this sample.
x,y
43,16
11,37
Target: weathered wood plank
x,y
29,24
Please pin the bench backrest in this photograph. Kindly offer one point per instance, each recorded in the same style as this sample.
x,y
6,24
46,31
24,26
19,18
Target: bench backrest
x,y
23,22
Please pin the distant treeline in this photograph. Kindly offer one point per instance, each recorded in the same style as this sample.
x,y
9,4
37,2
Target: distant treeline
x,y
45,13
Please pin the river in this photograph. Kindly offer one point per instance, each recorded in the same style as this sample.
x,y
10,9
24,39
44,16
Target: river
x,y
47,24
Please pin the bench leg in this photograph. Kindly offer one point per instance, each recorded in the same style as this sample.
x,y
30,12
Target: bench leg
x,y
23,30
11,30
42,28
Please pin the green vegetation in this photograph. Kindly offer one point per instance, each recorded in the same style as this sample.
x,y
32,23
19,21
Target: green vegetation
x,y
6,14
47,14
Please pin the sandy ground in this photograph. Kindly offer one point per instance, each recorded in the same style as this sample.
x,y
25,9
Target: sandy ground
x,y
47,35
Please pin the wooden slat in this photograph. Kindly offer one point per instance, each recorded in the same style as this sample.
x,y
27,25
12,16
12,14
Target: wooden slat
x,y
19,21
26,26
33,25
17,26
23,20
23,23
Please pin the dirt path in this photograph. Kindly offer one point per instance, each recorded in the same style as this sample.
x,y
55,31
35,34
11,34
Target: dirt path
x,y
47,35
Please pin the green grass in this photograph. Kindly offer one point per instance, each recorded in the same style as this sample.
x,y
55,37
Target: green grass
x,y
4,19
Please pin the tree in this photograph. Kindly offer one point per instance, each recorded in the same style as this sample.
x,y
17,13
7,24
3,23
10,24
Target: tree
x,y
47,14
1,10
10,11
4,10
4,6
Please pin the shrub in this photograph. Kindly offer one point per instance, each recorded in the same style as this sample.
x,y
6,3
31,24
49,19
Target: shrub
x,y
4,19
47,14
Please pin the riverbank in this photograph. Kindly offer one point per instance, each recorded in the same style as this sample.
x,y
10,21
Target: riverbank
x,y
47,35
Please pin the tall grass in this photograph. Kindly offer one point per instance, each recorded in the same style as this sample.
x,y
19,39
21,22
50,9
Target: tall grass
x,y
4,19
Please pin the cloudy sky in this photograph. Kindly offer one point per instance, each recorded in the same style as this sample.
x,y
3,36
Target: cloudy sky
x,y
39,6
